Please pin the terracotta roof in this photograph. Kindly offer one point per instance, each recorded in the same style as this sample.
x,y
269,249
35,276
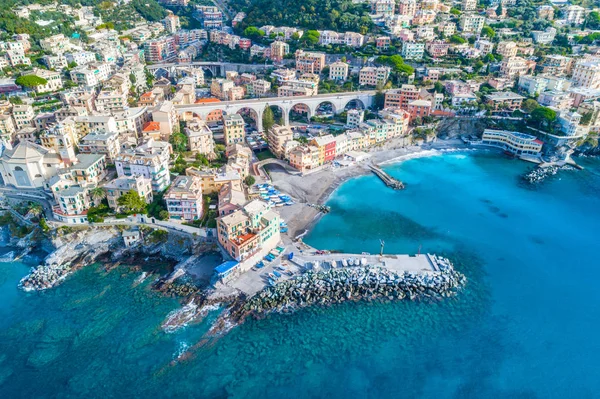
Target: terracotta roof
x,y
151,126
207,100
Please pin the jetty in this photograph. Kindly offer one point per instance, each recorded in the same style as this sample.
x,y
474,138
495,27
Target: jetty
x,y
386,178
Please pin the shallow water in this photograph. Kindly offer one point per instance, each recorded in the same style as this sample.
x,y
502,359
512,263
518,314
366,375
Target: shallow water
x,y
525,326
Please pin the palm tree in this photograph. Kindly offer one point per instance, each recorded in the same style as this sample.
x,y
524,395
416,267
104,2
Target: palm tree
x,y
97,194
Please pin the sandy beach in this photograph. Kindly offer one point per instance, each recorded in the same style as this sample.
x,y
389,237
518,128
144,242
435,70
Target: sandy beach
x,y
316,188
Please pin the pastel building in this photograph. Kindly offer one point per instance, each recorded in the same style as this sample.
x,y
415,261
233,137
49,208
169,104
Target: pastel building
x,y
184,199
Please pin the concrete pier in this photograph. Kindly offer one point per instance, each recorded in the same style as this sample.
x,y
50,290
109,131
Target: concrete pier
x,y
398,263
387,179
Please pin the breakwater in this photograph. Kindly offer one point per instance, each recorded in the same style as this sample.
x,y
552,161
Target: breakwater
x,y
539,174
387,179
356,283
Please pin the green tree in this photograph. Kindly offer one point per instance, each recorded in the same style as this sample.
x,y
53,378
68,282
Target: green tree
x,y
379,100
253,32
249,180
457,39
131,202
543,116
529,105
593,20
30,81
97,193
268,118
179,142
438,87
488,31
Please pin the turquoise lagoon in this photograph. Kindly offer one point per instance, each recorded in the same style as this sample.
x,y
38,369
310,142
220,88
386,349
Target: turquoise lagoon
x,y
526,325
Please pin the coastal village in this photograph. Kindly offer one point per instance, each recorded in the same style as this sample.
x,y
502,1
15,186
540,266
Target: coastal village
x,y
202,121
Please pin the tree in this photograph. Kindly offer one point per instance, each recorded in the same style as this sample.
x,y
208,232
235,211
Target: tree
x,y
253,32
488,31
268,119
529,105
457,39
593,20
438,87
249,180
131,202
379,100
454,11
97,194
30,81
15,100
543,116
499,10
179,142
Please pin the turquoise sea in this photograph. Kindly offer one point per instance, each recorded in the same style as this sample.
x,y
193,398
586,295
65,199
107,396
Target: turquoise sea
x,y
526,326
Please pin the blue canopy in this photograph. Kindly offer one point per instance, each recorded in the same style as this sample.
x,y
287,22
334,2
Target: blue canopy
x,y
226,267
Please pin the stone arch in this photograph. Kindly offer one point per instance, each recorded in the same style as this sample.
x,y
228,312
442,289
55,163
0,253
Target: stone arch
x,y
325,107
208,73
161,73
355,103
300,111
279,113
249,113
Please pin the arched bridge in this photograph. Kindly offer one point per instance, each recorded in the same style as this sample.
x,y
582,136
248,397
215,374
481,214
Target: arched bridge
x,y
339,101
274,161
215,68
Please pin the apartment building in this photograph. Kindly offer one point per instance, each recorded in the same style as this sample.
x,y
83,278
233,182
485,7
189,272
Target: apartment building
x,y
504,100
373,76
23,116
150,160
184,199
116,188
212,180
471,23
233,129
160,50
279,50
309,62
399,98
249,230
277,137
338,71
53,80
586,73
413,50
200,138
91,75
106,143
507,49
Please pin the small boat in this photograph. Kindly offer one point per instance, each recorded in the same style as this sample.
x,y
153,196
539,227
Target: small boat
x,y
281,268
272,282
276,273
351,262
272,276
344,263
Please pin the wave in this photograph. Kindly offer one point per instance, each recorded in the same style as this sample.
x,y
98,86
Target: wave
x,y
8,257
418,154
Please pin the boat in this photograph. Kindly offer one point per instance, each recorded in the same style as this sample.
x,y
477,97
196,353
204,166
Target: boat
x,y
351,262
344,262
272,276
276,273
281,268
272,282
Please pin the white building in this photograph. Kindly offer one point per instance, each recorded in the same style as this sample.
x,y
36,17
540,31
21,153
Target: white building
x,y
150,160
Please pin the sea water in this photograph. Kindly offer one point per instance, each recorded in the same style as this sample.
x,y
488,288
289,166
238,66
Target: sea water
x,y
525,326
